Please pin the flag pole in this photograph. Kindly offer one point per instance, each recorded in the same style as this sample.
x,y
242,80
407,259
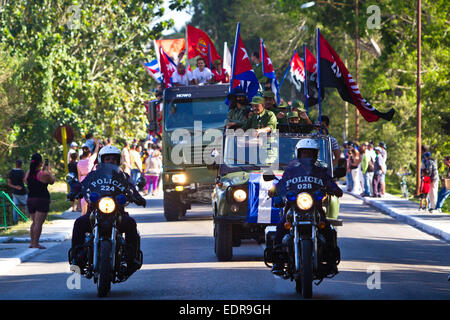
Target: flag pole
x,y
287,69
209,56
306,78
261,52
186,47
318,74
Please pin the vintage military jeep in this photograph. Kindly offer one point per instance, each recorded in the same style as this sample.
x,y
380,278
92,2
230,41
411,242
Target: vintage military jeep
x,y
241,206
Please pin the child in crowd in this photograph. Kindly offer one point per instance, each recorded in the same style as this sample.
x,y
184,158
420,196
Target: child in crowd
x,y
424,189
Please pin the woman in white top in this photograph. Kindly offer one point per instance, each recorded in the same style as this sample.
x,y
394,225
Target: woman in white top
x,y
202,74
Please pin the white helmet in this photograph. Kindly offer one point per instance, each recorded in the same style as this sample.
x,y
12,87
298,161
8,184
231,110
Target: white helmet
x,y
307,144
110,150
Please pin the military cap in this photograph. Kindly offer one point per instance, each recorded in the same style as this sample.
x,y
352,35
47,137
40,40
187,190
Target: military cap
x,y
283,104
268,94
292,114
257,100
295,104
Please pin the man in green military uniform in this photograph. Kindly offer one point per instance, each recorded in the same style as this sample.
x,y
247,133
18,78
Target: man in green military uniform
x,y
262,120
270,104
292,117
304,119
239,109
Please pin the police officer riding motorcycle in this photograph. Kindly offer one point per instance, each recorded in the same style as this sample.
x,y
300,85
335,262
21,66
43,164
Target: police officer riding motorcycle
x,y
304,241
107,190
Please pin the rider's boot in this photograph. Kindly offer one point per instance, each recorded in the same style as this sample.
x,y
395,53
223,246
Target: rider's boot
x,y
133,260
278,262
77,260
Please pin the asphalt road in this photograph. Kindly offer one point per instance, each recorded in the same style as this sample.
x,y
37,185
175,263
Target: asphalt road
x,y
381,259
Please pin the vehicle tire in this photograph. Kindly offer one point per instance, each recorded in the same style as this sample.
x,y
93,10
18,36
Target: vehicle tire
x,y
223,241
307,269
104,276
174,209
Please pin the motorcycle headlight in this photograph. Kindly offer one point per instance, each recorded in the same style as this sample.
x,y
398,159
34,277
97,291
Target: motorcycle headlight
x,y
106,205
304,201
179,178
239,195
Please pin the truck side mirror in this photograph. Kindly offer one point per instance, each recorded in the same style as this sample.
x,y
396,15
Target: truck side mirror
x,y
151,114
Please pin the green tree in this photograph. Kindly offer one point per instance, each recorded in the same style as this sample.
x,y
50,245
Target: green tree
x,y
80,65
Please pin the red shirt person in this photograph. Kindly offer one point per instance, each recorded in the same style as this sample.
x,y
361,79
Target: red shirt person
x,y
220,75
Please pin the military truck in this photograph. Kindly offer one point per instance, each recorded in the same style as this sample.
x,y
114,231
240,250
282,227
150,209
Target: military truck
x,y
192,124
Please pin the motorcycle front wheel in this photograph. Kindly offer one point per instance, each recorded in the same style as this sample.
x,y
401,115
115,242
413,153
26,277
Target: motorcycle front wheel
x,y
307,269
104,277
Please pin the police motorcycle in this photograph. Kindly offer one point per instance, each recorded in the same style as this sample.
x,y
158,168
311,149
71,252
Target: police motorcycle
x,y
104,250
309,250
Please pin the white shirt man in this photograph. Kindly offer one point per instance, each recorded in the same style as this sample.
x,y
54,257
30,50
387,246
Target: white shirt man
x,y
182,80
202,74
182,77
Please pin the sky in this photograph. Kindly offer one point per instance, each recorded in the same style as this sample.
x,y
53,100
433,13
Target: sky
x,y
179,18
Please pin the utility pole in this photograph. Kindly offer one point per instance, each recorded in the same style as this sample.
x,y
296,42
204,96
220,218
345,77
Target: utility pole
x,y
419,111
356,68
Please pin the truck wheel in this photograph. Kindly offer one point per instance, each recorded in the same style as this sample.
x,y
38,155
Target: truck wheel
x,y
223,241
174,209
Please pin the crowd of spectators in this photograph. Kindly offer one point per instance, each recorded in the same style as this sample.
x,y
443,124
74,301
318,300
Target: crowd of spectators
x,y
366,168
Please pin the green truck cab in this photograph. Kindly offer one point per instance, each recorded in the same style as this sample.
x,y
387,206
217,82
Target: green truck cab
x,y
241,191
192,126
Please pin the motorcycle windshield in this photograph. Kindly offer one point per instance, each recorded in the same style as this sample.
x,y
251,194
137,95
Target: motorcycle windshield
x,y
106,180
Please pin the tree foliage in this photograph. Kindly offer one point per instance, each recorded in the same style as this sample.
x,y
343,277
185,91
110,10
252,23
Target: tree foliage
x,y
387,61
77,63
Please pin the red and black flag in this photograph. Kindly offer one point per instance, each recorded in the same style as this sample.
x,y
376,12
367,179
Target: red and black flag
x,y
333,73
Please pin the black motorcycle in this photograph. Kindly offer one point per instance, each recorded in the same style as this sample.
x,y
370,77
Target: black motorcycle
x,y
104,250
309,250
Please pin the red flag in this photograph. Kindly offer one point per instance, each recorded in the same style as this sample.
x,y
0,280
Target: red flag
x,y
268,70
333,73
197,43
298,75
242,70
167,67
173,47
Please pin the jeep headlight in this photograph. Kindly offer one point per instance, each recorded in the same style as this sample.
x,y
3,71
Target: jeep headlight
x,y
106,205
304,201
239,195
179,178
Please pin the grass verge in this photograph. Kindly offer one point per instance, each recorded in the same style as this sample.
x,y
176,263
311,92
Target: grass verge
x,y
58,204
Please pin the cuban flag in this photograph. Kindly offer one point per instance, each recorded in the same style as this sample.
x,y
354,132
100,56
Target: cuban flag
x,y
242,74
168,67
268,69
260,205
152,69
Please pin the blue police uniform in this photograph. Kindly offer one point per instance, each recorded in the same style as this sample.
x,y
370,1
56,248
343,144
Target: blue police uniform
x,y
303,174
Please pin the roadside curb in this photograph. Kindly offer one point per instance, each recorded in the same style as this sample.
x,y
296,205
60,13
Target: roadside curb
x,y
53,235
8,264
411,220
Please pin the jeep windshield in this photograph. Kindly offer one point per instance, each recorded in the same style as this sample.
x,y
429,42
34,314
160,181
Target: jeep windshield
x,y
182,113
276,151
